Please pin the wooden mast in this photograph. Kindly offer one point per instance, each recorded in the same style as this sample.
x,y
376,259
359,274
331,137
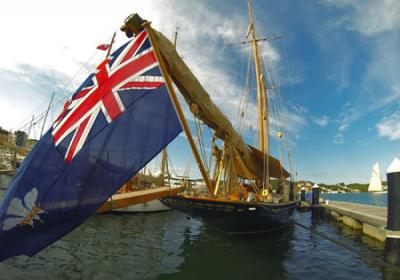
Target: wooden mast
x,y
261,98
164,161
178,108
259,84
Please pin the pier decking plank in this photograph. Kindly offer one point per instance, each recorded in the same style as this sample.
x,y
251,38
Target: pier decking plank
x,y
369,214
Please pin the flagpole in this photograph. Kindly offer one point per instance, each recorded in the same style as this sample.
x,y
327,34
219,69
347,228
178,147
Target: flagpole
x,y
178,108
111,44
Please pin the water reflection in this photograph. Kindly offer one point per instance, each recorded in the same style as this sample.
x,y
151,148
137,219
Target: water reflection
x,y
378,199
109,247
4,181
214,255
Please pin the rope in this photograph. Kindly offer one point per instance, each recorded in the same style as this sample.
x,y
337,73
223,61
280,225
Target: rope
x,y
200,142
58,101
243,104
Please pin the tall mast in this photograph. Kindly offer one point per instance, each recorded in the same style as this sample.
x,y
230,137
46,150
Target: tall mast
x,y
258,77
47,112
261,96
30,127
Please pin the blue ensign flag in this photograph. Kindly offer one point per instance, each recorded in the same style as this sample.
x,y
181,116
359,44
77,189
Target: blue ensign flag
x,y
114,124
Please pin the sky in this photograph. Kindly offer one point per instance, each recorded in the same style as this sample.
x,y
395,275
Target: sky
x,y
336,69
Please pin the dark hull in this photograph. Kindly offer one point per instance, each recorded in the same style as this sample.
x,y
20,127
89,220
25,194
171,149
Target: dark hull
x,y
235,217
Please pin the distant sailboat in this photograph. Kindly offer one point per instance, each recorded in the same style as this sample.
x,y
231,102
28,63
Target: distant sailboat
x,y
375,184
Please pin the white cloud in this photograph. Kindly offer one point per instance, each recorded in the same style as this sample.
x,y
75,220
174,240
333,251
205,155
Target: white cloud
x,y
339,137
389,127
370,17
322,121
379,85
26,87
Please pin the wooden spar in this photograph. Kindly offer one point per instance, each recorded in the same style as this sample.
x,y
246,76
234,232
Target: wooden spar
x,y
221,167
164,166
178,108
121,200
266,139
259,83
262,100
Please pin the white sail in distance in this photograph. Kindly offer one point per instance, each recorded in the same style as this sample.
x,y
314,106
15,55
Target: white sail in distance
x,y
375,184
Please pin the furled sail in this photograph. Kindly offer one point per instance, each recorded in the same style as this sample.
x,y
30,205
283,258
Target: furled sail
x,y
203,107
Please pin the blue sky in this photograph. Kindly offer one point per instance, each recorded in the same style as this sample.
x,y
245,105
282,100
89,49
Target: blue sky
x,y
337,66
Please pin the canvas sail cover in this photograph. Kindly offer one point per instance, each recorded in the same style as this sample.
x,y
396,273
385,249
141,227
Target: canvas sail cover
x,y
375,184
209,113
115,123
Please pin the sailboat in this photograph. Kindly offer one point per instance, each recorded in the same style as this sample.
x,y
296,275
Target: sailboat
x,y
123,115
239,198
375,184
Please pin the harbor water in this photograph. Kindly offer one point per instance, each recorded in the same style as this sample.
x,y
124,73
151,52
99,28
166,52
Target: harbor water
x,y
377,199
169,245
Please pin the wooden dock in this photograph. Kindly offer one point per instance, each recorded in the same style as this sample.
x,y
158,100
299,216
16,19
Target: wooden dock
x,y
368,218
122,200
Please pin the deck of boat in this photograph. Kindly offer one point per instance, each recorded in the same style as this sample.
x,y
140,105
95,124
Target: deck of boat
x,y
122,200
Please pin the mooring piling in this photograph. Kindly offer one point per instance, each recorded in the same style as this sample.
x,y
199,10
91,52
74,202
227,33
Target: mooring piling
x,y
392,243
303,194
315,195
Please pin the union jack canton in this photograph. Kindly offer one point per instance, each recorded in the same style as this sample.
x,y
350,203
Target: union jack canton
x,y
128,69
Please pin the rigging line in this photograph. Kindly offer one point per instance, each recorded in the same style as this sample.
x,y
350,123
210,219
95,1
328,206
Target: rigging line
x,y
244,96
187,167
282,126
274,96
240,104
277,114
371,259
37,119
259,12
172,166
250,77
28,116
203,149
83,67
35,111
45,116
201,143
212,145
276,100
276,92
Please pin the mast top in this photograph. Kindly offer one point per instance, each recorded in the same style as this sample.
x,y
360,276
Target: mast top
x,y
132,25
